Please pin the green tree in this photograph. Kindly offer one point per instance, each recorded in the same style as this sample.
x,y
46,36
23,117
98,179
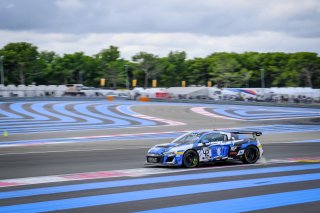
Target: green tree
x,y
109,55
306,68
73,68
174,69
251,65
197,71
111,66
43,70
20,61
117,73
274,64
224,67
148,65
23,64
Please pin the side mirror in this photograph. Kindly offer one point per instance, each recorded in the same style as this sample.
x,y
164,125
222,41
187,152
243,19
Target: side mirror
x,y
205,141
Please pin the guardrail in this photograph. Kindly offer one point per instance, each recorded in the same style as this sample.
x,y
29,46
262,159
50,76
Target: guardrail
x,y
31,93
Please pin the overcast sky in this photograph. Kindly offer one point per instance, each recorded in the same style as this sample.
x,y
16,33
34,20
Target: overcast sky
x,y
199,27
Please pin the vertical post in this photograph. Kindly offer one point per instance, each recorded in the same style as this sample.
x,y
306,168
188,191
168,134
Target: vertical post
x,y
134,82
209,83
102,82
247,79
127,76
1,70
183,83
80,77
262,77
154,83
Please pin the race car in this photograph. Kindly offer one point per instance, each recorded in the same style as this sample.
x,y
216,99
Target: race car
x,y
197,147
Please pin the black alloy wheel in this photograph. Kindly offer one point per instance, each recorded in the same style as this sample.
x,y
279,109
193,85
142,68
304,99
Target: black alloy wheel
x,y
190,159
251,155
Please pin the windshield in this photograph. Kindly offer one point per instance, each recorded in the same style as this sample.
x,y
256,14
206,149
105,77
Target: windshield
x,y
188,138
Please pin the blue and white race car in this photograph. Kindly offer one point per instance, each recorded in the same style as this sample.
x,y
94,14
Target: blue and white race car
x,y
198,147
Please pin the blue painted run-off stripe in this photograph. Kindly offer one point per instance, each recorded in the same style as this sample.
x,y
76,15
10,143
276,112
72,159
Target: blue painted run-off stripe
x,y
55,205
153,180
248,203
83,140
8,114
18,107
244,115
66,117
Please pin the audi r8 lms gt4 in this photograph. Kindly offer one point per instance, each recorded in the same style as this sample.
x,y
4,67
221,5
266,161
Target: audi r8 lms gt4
x,y
199,147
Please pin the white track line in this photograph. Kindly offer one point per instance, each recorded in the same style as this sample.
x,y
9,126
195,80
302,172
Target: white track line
x,y
202,111
73,150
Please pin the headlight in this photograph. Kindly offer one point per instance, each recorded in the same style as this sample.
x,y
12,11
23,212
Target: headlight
x,y
169,153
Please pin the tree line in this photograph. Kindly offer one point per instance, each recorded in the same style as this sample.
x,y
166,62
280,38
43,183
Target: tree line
x,y
23,63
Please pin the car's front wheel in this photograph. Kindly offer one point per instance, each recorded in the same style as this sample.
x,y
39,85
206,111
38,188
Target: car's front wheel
x,y
190,159
251,155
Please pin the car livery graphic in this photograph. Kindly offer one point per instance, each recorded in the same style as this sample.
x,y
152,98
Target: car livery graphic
x,y
199,147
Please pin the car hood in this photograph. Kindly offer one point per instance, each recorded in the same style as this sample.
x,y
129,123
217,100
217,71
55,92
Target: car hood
x,y
161,148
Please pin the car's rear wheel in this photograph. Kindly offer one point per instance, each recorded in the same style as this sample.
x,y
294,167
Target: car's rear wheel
x,y
190,159
251,155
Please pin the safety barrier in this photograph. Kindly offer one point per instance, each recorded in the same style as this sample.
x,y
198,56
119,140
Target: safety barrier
x,y
144,99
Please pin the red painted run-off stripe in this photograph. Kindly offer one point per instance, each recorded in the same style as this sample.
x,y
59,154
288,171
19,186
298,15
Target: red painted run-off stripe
x,y
94,175
6,184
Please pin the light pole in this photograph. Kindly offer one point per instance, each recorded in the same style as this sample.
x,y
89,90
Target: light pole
x,y
262,77
246,77
127,76
1,70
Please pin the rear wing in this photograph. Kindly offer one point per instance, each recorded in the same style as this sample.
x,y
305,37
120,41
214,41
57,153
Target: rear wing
x,y
253,133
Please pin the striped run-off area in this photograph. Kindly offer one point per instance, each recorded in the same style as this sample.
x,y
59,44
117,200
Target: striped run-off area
x,y
255,113
269,129
48,116
272,187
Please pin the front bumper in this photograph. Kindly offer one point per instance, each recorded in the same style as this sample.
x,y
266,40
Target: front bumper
x,y
159,164
166,160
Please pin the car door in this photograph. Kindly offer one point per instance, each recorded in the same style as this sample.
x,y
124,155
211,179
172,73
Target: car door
x,y
220,148
209,146
217,146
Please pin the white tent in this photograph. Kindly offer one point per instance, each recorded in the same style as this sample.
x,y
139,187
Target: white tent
x,y
188,92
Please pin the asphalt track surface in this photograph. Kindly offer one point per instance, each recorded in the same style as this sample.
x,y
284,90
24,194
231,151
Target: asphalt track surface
x,y
89,156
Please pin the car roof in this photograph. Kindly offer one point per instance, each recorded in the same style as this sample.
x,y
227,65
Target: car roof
x,y
204,132
207,131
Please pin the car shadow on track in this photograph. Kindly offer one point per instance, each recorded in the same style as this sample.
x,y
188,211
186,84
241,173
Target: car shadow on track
x,y
206,165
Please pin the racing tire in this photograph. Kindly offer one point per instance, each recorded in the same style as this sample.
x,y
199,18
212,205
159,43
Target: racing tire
x,y
251,155
190,159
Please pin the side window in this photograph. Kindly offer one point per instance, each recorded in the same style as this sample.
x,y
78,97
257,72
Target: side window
x,y
225,137
220,137
212,137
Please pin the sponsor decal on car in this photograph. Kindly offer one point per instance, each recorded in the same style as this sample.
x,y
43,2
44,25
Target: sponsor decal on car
x,y
241,152
233,148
